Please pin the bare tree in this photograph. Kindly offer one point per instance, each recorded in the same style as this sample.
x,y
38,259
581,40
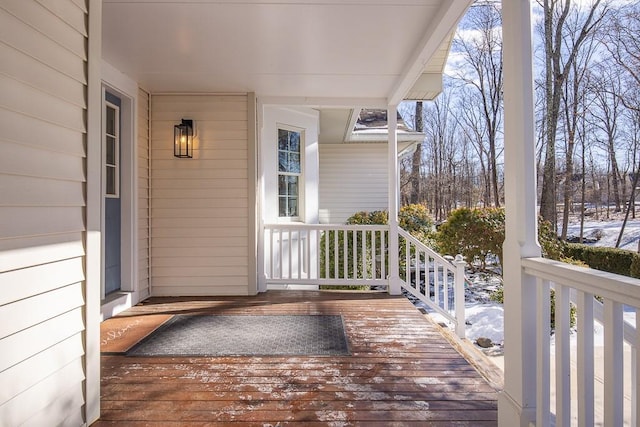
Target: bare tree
x,y
574,103
623,44
471,122
416,164
606,119
481,50
559,58
438,151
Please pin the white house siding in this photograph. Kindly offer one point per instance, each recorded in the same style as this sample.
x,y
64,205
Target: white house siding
x,y
42,202
199,214
353,178
144,194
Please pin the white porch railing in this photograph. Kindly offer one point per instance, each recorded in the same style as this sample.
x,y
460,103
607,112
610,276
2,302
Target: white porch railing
x,y
354,255
605,378
435,280
324,254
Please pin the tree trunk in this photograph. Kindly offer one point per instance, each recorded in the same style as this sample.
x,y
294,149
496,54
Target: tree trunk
x,y
614,174
416,177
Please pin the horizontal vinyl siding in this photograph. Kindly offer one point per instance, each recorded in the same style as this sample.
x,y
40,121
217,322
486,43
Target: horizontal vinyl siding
x,y
199,210
353,178
144,194
42,183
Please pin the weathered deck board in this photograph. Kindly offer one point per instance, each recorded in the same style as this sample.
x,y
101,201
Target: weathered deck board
x,y
402,372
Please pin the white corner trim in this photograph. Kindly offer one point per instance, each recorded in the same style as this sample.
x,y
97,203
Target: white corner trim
x,y
93,267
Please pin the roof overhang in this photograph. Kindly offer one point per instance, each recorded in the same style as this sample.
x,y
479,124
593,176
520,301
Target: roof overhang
x,y
305,52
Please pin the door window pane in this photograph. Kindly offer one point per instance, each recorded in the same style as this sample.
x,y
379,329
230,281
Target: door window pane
x,y
111,150
111,180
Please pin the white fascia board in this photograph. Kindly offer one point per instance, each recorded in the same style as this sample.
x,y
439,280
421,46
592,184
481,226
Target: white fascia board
x,y
351,124
383,137
444,21
319,102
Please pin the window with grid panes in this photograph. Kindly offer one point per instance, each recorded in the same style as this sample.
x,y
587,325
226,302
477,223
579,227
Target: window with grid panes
x,y
289,172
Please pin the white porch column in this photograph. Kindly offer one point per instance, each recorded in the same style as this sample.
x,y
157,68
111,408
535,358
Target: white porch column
x,y
516,405
394,274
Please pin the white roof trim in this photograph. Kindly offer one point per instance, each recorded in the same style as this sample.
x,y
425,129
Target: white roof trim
x,y
319,102
441,24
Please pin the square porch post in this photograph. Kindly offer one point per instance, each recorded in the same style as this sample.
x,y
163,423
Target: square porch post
x,y
516,405
394,274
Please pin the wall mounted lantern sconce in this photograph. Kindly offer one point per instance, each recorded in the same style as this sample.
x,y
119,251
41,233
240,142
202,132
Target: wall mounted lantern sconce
x,y
183,139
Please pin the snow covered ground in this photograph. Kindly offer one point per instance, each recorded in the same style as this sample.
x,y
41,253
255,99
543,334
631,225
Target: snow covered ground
x,y
608,232
485,318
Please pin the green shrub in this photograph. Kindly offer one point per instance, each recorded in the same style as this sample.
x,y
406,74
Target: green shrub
x,y
612,260
498,296
572,312
478,233
329,237
634,270
474,233
415,219
552,247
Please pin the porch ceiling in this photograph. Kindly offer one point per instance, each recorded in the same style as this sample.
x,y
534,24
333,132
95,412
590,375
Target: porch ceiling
x,y
327,49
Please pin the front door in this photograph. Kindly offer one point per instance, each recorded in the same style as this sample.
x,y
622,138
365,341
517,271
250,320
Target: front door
x,y
111,189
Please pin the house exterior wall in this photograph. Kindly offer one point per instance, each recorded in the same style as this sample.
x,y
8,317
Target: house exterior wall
x,y
43,87
144,194
200,211
353,178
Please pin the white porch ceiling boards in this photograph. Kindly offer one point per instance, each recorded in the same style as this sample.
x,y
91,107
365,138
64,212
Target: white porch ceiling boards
x,y
329,49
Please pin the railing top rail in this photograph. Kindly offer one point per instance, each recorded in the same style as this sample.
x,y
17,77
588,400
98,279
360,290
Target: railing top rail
x,y
338,227
423,247
622,289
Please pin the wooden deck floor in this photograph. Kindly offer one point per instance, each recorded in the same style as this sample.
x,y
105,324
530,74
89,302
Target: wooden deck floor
x,y
401,371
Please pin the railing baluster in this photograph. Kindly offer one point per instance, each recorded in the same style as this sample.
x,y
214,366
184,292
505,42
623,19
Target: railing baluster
x,y
417,264
345,252
459,297
307,253
364,251
383,255
324,234
407,261
354,246
635,374
300,249
585,359
423,270
336,255
271,257
613,364
374,273
290,255
543,336
563,368
280,258
436,283
445,282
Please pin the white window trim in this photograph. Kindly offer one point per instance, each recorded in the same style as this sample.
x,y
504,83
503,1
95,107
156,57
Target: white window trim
x,y
301,176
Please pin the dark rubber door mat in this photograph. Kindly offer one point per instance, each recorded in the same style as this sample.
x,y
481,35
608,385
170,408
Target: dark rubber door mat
x,y
243,335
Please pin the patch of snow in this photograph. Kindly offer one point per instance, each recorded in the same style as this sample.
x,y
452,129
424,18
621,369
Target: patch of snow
x,y
485,318
608,232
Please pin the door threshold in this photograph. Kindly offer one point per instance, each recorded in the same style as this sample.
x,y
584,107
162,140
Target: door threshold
x,y
115,303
